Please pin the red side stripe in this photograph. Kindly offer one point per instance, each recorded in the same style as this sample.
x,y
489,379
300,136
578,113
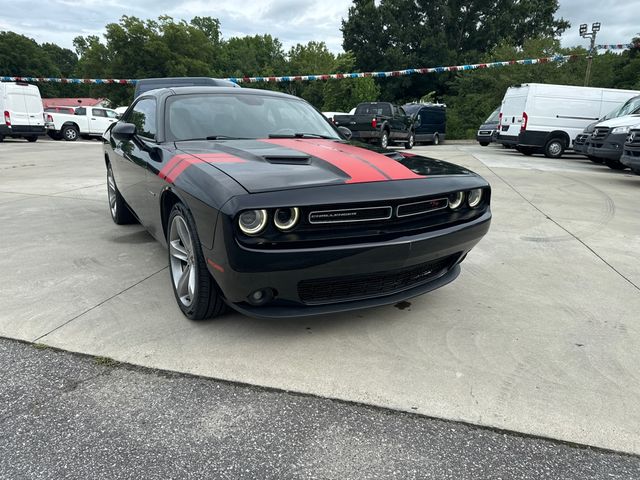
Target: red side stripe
x,y
390,167
357,170
181,167
215,265
171,164
179,163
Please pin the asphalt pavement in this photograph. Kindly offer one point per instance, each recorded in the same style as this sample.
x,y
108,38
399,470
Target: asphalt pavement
x,y
66,416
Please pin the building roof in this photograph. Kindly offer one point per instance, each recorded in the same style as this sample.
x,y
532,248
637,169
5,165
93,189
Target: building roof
x,y
71,102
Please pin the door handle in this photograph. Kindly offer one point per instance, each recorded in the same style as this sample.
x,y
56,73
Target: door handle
x,y
93,119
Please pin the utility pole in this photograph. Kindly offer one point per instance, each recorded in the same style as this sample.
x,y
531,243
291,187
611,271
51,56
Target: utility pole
x,y
595,28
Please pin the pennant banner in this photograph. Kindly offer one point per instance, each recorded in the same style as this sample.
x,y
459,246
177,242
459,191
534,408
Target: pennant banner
x,y
332,76
617,46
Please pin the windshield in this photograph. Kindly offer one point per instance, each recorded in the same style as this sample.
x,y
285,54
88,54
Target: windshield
x,y
629,107
411,109
202,116
493,118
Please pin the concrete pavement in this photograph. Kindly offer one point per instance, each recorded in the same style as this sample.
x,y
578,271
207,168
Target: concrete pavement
x,y
538,335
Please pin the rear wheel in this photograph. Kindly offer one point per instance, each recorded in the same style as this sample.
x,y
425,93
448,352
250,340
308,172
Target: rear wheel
x,y
484,144
55,135
528,151
410,141
31,138
436,139
70,133
196,293
636,171
1,138
614,164
384,139
119,209
554,148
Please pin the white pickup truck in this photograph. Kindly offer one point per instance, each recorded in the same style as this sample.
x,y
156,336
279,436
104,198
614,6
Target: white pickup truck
x,y
85,122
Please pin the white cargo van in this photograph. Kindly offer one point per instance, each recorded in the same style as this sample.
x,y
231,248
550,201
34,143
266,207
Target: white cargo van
x,y
541,118
21,110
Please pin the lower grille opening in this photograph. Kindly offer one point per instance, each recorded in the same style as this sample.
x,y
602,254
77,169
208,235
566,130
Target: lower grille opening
x,y
356,287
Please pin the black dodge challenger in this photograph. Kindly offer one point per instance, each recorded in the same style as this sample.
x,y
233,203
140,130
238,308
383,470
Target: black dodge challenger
x,y
265,206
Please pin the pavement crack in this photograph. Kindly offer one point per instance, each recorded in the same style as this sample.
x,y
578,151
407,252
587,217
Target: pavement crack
x,y
559,225
98,305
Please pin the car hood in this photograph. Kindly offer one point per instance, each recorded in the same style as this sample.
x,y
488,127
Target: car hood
x,y
488,126
278,164
625,121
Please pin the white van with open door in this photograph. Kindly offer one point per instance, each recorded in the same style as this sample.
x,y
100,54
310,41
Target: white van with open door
x,y
542,118
21,111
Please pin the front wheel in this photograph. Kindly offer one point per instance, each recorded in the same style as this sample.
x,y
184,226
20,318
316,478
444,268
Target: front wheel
x,y
597,160
410,141
554,148
384,139
615,164
484,144
32,138
196,293
436,139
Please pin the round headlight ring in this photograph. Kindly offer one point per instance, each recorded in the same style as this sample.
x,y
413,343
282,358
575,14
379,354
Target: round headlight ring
x,y
252,222
293,217
456,200
475,197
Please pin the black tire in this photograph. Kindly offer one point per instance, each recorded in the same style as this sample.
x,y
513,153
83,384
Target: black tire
x,y
384,139
614,164
597,160
31,138
528,151
484,144
636,171
436,139
120,212
206,299
70,133
53,135
1,138
554,148
411,141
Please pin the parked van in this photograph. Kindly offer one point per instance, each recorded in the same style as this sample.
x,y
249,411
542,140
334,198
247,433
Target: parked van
x,y
541,118
487,131
21,110
582,141
430,121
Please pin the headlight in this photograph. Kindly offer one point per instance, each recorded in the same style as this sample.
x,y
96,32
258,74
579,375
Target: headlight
x,y
455,200
620,130
474,198
286,218
252,222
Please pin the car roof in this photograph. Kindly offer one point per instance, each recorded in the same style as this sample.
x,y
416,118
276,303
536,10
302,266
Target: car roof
x,y
160,92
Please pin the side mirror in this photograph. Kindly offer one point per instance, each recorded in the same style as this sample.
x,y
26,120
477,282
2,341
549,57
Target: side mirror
x,y
123,131
345,132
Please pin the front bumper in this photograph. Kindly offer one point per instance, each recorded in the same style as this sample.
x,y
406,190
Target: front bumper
x,y
486,136
610,148
284,270
580,143
631,157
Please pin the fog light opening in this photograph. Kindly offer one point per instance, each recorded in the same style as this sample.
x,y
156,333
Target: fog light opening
x,y
261,296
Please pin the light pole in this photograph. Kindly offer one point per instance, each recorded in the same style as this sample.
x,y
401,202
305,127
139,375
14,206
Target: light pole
x,y
595,28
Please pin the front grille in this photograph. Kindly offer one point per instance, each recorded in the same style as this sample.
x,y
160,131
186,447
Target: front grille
x,y
580,139
600,133
634,138
356,287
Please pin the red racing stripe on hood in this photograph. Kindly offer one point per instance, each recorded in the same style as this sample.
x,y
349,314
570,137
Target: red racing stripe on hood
x,y
359,171
390,167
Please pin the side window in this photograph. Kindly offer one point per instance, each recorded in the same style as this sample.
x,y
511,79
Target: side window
x,y
98,112
81,111
143,116
111,113
401,111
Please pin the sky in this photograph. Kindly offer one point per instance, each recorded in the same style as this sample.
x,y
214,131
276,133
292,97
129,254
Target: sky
x,y
291,21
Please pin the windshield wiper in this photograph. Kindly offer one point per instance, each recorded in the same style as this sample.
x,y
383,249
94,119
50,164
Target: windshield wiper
x,y
301,135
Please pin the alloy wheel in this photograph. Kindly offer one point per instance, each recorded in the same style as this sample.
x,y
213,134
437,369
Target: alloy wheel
x,y
111,192
182,260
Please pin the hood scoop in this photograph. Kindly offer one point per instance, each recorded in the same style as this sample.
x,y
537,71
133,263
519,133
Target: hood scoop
x,y
288,159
